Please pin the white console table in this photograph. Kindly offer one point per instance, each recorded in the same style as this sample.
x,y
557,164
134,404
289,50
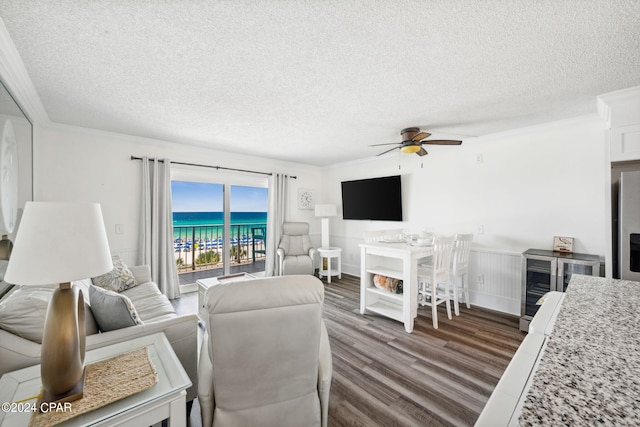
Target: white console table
x,y
165,400
205,284
396,260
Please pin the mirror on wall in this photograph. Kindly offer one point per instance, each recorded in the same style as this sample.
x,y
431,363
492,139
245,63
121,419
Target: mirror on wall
x,y
16,162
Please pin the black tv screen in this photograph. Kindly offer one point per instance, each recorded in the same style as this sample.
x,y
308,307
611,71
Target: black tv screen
x,y
378,199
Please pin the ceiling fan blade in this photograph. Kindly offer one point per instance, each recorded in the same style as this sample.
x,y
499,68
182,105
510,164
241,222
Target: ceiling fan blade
x,y
388,143
442,142
420,136
422,152
385,152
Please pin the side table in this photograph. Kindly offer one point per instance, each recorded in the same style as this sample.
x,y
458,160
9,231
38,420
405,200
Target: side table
x,y
165,400
204,284
329,253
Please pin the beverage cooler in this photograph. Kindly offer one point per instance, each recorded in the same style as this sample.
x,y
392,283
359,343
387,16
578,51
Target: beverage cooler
x,y
629,226
545,271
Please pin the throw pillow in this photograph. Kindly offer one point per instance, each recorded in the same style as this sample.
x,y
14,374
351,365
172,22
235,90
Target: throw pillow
x,y
117,280
24,309
112,310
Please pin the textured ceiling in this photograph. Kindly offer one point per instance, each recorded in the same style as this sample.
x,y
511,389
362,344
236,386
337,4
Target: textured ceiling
x,y
319,81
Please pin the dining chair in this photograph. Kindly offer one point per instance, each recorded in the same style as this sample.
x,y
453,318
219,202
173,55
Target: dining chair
x,y
433,277
460,270
373,236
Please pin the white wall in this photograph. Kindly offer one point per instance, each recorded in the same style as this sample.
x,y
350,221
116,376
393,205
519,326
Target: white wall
x,y
77,164
529,186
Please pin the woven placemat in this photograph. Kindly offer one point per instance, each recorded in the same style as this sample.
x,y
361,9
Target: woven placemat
x,y
106,381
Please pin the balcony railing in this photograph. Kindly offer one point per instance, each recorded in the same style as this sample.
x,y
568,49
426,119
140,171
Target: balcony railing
x,y
201,247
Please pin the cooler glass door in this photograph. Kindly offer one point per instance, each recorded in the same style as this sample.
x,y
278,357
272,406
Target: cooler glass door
x,y
540,279
566,268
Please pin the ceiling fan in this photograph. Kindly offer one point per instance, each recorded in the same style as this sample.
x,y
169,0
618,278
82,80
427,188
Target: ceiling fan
x,y
413,139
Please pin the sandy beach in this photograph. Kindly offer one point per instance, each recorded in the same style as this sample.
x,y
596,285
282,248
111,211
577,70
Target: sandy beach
x,y
187,252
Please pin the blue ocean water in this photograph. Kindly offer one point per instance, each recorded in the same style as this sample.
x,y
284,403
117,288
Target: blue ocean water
x,y
189,219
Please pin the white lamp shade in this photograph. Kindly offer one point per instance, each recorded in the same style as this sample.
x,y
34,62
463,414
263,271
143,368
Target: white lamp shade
x,y
59,242
326,210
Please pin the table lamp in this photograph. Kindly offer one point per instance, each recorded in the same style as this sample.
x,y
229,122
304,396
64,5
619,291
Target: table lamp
x,y
58,243
6,246
325,211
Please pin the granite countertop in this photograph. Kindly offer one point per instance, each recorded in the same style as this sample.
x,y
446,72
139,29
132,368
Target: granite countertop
x,y
589,373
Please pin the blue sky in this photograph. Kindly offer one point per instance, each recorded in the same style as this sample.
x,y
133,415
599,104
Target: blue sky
x,y
206,197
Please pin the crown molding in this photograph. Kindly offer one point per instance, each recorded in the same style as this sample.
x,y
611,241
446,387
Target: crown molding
x,y
606,101
16,78
620,95
582,120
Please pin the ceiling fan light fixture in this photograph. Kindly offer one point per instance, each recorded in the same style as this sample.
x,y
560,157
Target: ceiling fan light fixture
x,y
410,149
412,141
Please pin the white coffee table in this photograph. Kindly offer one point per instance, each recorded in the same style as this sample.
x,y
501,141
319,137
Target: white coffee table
x,y
330,252
165,400
204,284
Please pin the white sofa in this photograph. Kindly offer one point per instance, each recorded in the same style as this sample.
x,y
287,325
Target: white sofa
x,y
154,309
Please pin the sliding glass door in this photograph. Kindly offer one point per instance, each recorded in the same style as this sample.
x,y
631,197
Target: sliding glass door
x,y
198,225
248,228
219,227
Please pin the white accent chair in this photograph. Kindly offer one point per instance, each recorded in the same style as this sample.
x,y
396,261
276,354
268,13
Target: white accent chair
x,y
433,278
460,270
265,358
296,253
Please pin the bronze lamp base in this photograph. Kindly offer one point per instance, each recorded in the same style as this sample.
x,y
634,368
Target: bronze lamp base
x,y
63,346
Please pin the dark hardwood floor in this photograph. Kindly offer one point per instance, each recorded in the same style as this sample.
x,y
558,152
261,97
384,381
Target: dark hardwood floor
x,y
383,376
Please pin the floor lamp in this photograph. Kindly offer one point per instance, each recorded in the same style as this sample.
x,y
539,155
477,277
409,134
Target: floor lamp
x,y
325,211
60,243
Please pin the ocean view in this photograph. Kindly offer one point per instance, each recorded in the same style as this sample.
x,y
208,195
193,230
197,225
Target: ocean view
x,y
208,225
198,225
190,219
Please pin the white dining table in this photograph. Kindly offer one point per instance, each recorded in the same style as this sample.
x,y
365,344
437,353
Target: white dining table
x,y
398,260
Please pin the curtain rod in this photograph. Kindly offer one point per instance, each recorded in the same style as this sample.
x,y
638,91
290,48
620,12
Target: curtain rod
x,y
214,167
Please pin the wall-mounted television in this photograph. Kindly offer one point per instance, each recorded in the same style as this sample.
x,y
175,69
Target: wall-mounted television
x,y
378,199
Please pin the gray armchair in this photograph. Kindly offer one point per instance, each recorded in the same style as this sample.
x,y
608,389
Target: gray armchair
x,y
296,253
265,359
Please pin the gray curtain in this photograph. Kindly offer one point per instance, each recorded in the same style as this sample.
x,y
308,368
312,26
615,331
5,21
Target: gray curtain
x,y
156,231
278,187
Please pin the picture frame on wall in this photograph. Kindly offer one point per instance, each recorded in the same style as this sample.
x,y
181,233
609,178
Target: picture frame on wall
x,y
563,244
